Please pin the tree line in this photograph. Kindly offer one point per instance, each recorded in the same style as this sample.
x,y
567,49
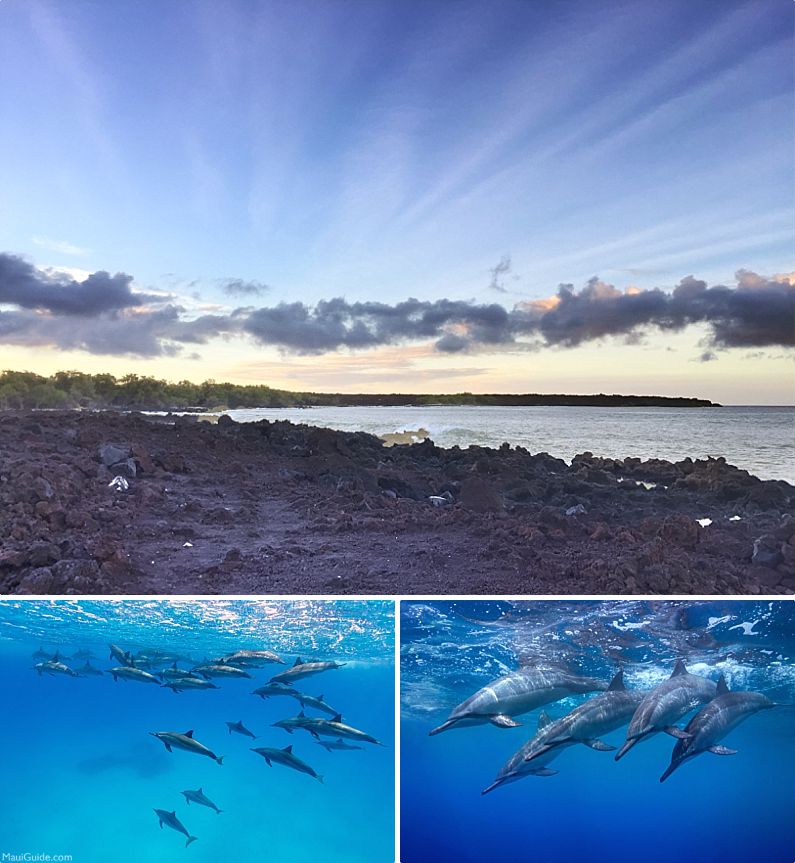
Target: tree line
x,y
72,389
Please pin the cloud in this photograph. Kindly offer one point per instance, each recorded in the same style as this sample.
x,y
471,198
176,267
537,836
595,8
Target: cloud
x,y
336,323
61,246
241,288
104,314
497,273
22,284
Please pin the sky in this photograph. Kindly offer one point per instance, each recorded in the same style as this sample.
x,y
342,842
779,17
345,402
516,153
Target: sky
x,y
365,196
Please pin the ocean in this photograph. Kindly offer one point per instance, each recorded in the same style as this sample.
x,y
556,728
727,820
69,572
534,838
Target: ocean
x,y
715,809
758,439
81,775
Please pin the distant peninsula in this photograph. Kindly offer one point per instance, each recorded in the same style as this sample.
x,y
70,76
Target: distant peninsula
x,y
70,389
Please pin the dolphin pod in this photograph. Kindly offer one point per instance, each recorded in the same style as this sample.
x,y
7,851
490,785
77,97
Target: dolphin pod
x,y
645,712
517,693
713,722
666,704
177,672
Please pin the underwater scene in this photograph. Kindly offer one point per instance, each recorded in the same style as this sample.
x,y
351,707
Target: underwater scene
x,y
218,730
612,731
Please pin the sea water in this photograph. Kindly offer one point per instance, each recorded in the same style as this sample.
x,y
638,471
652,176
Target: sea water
x,y
81,775
758,439
714,809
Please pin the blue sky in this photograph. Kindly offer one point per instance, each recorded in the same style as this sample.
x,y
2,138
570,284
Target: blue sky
x,y
381,151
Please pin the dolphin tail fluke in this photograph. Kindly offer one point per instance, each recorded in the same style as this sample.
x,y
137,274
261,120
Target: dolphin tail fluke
x,y
218,811
220,759
191,839
320,779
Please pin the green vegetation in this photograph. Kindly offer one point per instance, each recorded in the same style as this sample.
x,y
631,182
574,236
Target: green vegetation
x,y
25,390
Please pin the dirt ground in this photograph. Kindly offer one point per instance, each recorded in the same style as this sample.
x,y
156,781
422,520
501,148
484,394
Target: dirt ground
x,y
270,507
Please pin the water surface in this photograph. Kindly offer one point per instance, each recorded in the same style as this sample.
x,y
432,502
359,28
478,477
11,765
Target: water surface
x,y
758,439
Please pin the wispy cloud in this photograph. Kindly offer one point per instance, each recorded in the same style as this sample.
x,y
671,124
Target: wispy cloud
x,y
62,246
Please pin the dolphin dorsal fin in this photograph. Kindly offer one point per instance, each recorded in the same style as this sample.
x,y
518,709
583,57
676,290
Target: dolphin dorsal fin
x,y
189,734
174,813
320,698
200,791
617,683
723,687
298,661
339,740
301,714
337,717
174,666
679,668
288,749
543,720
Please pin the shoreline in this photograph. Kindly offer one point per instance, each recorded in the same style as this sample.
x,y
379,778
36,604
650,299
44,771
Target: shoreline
x,y
275,507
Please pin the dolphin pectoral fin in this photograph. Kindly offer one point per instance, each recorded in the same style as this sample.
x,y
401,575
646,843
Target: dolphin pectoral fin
x,y
314,734
545,771
268,761
599,745
167,746
677,732
721,750
191,839
503,721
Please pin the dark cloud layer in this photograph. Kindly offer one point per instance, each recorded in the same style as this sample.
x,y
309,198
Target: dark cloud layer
x,y
21,284
757,313
104,315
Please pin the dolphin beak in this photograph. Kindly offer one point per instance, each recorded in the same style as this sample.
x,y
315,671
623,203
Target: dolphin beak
x,y
628,744
443,727
668,772
495,784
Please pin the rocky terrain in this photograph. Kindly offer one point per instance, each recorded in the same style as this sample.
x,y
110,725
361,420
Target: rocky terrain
x,y
271,507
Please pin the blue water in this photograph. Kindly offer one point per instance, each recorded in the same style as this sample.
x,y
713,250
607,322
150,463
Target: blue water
x,y
758,439
712,809
81,775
